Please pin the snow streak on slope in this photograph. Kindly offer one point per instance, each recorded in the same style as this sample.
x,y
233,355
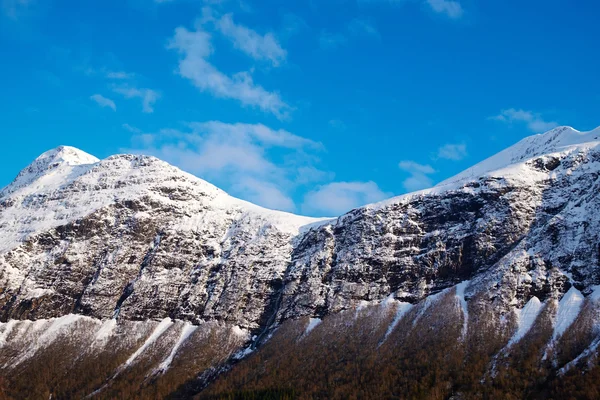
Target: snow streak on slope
x,y
401,309
312,324
6,329
158,331
568,310
460,296
526,318
106,331
186,332
427,303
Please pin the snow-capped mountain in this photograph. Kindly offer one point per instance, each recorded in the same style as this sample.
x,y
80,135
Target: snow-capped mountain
x,y
142,262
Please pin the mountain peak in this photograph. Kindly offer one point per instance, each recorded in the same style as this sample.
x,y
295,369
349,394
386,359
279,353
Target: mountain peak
x,y
557,140
50,160
64,155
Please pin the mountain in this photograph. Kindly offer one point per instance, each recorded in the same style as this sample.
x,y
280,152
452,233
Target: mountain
x,y
127,277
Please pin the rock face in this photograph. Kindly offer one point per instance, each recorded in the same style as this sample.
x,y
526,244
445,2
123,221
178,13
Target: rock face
x,y
135,239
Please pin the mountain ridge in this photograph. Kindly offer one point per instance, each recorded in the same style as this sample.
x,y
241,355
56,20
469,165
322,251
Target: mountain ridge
x,y
173,261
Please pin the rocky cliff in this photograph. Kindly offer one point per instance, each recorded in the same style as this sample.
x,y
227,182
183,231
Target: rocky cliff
x,y
141,263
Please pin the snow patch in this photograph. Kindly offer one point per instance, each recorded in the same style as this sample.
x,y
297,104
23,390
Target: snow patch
x,y
243,353
7,328
591,350
525,319
460,295
312,324
239,331
186,332
427,303
158,331
106,330
401,309
568,310
595,295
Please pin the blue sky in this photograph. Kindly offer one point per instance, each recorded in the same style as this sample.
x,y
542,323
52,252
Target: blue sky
x,y
313,107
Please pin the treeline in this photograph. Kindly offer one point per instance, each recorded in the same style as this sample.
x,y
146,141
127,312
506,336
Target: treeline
x,y
350,355
425,357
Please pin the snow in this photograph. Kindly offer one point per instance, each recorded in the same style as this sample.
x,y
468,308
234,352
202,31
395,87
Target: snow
x,y
427,303
186,332
460,295
58,326
568,310
595,295
591,350
243,333
158,331
558,140
312,324
66,184
106,330
511,162
525,319
7,328
50,329
401,309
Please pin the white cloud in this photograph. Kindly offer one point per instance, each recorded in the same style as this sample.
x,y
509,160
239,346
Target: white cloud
x,y
195,47
534,121
119,75
418,175
452,9
339,197
264,193
356,27
131,129
103,101
148,96
454,152
260,47
362,26
252,161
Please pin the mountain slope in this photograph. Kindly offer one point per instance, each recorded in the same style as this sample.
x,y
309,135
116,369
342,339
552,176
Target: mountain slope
x,y
486,257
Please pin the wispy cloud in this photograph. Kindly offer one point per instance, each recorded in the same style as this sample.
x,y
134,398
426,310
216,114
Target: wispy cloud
x,y
119,75
131,129
534,121
339,197
452,9
253,161
103,101
362,26
259,47
194,48
264,193
356,27
148,96
454,152
418,175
